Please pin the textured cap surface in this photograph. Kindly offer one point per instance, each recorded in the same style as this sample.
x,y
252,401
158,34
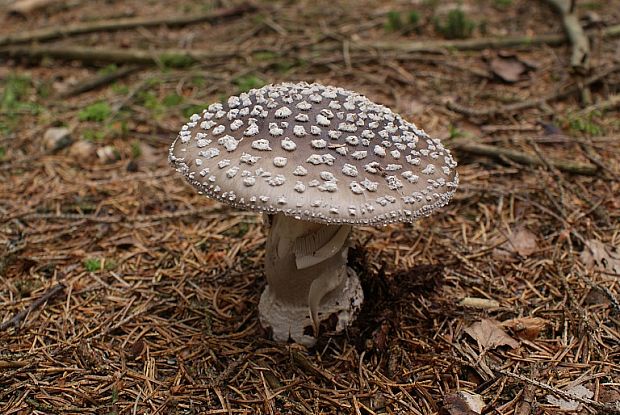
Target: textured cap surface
x,y
317,153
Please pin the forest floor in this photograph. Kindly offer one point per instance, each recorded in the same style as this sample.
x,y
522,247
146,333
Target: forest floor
x,y
123,291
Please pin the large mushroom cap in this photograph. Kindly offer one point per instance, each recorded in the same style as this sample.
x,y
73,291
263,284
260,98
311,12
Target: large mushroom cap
x,y
317,153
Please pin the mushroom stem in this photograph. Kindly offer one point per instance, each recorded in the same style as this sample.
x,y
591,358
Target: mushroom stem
x,y
308,279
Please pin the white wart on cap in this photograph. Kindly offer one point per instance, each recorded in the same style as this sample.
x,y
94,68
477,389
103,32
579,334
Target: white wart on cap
x,y
316,153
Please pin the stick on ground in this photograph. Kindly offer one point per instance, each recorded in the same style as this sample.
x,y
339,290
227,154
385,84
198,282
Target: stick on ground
x,y
524,158
50,33
580,59
439,46
99,81
173,58
16,320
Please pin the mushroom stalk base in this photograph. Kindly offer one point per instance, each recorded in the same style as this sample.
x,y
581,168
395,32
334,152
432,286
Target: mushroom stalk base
x,y
294,323
308,280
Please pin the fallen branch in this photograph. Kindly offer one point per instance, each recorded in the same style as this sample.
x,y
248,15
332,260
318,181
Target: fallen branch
x,y
524,158
99,81
439,46
122,24
580,59
48,295
511,108
174,58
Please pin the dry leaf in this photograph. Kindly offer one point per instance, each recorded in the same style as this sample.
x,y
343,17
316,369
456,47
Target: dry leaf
x,y
609,395
526,327
569,404
508,69
462,403
601,257
489,335
521,242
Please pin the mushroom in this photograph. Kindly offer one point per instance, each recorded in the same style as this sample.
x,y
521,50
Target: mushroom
x,y
316,160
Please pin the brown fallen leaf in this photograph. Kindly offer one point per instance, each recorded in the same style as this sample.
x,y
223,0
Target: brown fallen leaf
x,y
601,257
521,242
609,395
462,403
526,327
508,69
489,334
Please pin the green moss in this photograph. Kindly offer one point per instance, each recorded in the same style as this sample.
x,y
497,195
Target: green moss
x,y
591,5
502,4
2,152
176,60
136,150
454,132
247,82
190,110
120,89
413,18
586,124
172,100
93,135
14,102
199,81
15,90
396,22
265,55
455,25
98,264
99,111
107,70
92,264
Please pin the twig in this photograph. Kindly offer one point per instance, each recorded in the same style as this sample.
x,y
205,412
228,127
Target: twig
x,y
615,304
580,58
48,295
524,158
166,57
475,302
511,108
99,81
122,24
603,407
301,361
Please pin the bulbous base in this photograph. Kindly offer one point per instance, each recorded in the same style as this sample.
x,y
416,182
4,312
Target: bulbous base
x,y
288,322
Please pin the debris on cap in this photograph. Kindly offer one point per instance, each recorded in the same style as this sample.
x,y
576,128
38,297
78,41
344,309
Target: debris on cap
x,y
316,153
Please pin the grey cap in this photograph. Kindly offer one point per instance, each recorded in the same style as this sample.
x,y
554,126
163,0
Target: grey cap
x,y
317,153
